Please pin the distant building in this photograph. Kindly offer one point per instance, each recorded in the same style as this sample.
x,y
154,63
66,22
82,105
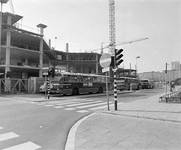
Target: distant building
x,y
160,76
175,65
155,76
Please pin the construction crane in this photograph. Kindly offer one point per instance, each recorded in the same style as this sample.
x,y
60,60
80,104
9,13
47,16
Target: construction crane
x,y
123,43
112,33
11,6
13,12
120,43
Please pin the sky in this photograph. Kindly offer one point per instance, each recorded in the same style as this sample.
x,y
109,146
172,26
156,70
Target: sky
x,y
84,24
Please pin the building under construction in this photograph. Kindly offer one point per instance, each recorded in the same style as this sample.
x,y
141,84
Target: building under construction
x,y
25,54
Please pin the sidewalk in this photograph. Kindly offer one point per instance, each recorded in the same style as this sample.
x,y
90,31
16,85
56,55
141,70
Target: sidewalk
x,y
142,124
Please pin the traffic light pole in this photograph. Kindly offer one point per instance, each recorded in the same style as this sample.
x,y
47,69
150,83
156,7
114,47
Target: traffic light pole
x,y
115,90
48,88
115,82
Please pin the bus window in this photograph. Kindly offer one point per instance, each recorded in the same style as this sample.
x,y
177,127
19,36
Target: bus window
x,y
79,79
85,78
61,80
90,78
94,79
72,78
65,79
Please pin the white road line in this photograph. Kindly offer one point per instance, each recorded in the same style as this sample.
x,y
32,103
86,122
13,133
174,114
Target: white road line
x,y
83,111
101,107
1,128
7,136
64,103
24,146
91,105
59,107
86,103
70,109
72,102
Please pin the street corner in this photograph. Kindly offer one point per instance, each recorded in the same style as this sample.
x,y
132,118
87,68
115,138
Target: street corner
x,y
75,133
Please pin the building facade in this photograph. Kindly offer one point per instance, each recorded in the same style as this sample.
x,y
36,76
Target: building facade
x,y
25,54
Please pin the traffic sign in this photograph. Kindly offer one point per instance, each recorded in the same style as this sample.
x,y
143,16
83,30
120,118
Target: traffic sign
x,y
105,60
105,69
45,73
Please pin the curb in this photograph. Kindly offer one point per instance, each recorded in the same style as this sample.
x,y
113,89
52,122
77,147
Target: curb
x,y
160,119
70,143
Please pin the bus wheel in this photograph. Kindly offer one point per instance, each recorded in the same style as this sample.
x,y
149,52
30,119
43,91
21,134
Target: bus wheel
x,y
100,90
75,91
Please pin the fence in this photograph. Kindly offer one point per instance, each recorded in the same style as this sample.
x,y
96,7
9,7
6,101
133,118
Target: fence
x,y
174,96
13,85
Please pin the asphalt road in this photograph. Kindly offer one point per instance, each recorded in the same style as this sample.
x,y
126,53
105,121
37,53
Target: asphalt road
x,y
42,127
45,125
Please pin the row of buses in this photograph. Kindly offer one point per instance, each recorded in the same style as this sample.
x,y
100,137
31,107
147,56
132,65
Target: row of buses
x,y
68,83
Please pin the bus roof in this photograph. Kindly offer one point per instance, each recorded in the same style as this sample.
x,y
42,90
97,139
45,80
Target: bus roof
x,y
128,78
80,74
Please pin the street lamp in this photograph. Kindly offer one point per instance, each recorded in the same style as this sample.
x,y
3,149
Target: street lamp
x,y
136,64
102,47
2,2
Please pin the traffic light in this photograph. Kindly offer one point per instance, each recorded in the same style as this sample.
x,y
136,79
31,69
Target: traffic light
x,y
8,74
118,56
51,73
112,62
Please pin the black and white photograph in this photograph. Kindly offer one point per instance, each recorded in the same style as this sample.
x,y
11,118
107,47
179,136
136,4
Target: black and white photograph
x,y
90,75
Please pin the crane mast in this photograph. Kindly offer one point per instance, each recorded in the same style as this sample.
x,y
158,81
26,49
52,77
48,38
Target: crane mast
x,y
11,6
112,33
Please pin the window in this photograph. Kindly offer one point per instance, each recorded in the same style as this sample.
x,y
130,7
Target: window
x,y
59,57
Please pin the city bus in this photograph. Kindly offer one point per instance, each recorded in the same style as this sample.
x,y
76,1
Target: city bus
x,y
127,83
68,83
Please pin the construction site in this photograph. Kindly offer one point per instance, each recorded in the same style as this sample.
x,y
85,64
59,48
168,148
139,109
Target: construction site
x,y
25,55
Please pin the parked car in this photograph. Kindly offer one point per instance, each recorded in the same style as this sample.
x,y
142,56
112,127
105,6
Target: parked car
x,y
145,84
152,85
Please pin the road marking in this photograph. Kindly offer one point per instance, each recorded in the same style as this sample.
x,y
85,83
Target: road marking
x,y
64,103
86,103
7,136
83,111
91,105
70,109
101,107
73,102
24,146
59,107
1,128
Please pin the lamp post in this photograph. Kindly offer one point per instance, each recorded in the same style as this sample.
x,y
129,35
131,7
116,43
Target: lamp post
x,y
136,65
166,78
2,2
102,47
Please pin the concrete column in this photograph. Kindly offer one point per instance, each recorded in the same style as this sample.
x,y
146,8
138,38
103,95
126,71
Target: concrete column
x,y
41,26
7,62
